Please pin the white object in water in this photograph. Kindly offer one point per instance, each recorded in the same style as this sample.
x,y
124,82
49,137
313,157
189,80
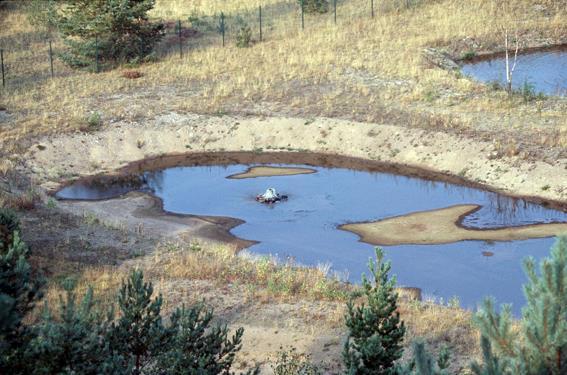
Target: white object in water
x,y
270,194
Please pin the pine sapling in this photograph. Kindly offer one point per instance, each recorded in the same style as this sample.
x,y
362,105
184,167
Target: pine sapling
x,y
375,330
540,346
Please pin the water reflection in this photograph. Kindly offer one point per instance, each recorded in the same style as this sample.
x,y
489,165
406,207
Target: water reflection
x,y
305,227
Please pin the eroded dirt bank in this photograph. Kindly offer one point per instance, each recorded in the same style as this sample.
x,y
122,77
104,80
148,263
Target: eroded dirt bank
x,y
59,158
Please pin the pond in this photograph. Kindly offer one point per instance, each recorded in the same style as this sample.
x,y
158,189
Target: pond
x,y
546,71
305,227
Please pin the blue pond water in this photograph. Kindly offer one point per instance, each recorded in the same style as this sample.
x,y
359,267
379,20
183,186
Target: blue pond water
x,y
305,226
546,71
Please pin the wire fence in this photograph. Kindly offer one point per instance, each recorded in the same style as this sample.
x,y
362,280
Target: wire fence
x,y
32,57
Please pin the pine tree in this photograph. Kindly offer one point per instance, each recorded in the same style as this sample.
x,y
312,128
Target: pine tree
x,y
74,342
19,290
196,347
138,335
542,346
423,362
105,31
376,332
492,365
9,224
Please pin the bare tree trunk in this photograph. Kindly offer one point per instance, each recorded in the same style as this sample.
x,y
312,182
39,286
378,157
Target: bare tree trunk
x,y
510,71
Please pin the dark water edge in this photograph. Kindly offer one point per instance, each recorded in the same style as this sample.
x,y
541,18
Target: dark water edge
x,y
305,227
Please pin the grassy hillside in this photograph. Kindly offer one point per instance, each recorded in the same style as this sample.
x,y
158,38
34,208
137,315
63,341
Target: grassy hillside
x,y
365,69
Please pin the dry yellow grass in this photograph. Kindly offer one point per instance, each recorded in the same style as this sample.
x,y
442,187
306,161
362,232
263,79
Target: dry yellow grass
x,y
173,9
369,69
174,265
174,262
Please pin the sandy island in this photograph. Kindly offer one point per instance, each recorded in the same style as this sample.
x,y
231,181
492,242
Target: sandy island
x,y
254,172
443,226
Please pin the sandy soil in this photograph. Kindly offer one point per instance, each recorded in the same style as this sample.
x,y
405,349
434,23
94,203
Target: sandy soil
x,y
254,172
443,226
142,213
58,158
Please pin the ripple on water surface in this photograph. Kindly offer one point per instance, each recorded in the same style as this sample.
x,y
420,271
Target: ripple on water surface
x,y
305,226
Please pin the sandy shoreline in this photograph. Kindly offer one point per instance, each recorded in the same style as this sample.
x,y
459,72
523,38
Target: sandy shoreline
x,y
442,226
56,159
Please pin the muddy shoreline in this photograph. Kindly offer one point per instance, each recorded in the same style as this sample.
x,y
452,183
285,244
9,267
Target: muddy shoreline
x,y
218,228
144,212
297,158
489,55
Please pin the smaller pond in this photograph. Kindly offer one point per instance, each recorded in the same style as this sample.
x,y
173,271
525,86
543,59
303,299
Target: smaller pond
x,y
545,71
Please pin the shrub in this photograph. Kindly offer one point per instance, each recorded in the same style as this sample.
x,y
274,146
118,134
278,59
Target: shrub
x,y
290,362
94,121
528,92
423,362
469,55
244,36
314,6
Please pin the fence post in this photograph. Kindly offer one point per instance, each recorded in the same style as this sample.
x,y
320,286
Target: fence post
x,y
180,41
222,27
260,15
302,14
51,59
335,10
2,64
96,54
372,8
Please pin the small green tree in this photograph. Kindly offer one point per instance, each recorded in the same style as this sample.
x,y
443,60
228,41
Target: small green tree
x,y
375,330
290,362
19,290
138,335
541,345
423,362
196,347
73,343
9,224
105,31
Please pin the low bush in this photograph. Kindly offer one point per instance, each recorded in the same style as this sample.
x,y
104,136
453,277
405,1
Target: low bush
x,y
314,6
290,362
244,36
93,121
